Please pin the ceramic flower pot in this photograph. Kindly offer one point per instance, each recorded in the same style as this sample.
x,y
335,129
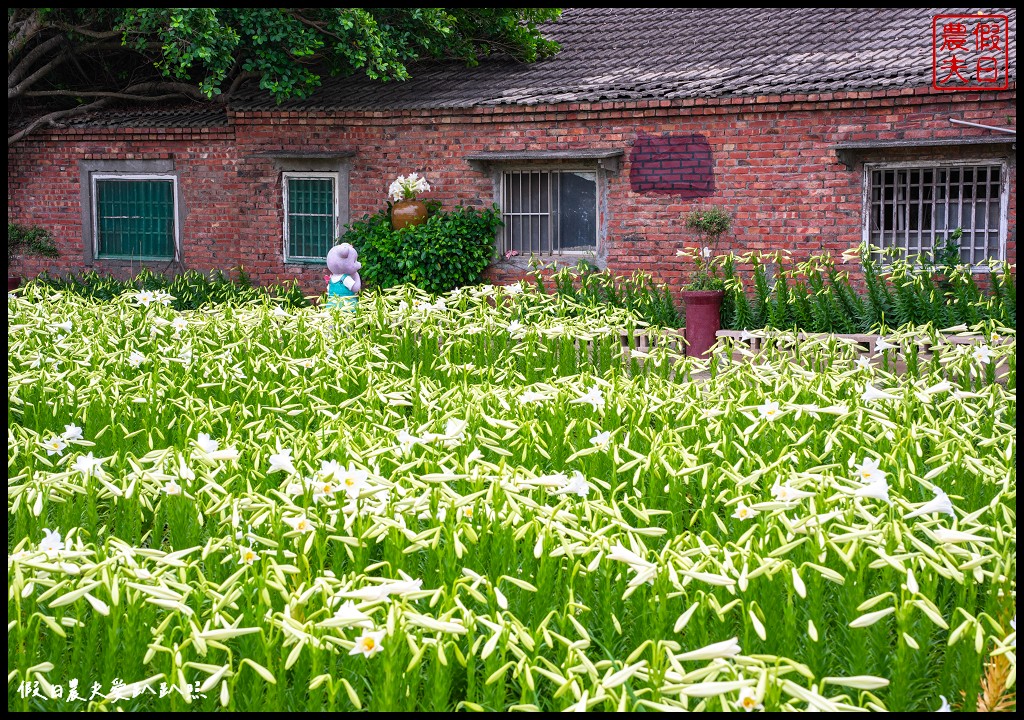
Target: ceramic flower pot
x,y
703,320
405,213
13,282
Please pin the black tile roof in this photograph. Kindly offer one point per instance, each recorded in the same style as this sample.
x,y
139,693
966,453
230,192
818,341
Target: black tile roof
x,y
650,53
192,116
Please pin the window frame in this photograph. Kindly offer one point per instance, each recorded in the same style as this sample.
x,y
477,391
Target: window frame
x,y
93,210
600,207
286,176
935,164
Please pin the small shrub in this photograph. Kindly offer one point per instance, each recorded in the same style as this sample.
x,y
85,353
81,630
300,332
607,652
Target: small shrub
x,y
449,250
29,240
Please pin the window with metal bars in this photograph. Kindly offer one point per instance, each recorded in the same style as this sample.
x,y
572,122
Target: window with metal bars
x,y
549,212
311,216
135,217
914,208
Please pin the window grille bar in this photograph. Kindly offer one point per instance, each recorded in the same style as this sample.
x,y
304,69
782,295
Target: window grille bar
x,y
974,214
920,211
908,204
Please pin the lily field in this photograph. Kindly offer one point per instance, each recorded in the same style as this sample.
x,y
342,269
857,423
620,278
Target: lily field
x,y
486,502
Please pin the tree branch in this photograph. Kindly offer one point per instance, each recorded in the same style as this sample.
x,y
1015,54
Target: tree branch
x,y
134,93
175,90
67,53
29,27
94,34
16,90
28,61
53,117
239,79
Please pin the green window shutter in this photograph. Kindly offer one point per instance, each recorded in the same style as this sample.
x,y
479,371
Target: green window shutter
x,y
310,217
135,219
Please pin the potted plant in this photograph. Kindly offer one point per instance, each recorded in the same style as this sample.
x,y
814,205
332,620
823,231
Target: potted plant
x,y
27,240
703,295
407,210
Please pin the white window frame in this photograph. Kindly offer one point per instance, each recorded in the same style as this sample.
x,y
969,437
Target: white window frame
x,y
504,234
94,209
307,175
1004,193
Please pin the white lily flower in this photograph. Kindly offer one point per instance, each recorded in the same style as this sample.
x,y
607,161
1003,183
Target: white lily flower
x,y
348,615
324,489
748,700
331,469
744,512
51,542
945,535
576,485
247,556
867,472
602,439
88,465
228,453
871,393
136,358
529,396
282,461
882,344
71,433
54,445
878,490
172,488
299,523
594,397
406,440
353,480
944,707
939,504
368,644
769,410
725,649
622,554
382,591
207,444
982,354
454,432
784,493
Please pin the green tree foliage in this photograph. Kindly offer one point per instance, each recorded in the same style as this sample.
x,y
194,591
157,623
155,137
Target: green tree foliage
x,y
74,60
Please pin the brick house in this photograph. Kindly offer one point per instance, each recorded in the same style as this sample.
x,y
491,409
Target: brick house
x,y
816,129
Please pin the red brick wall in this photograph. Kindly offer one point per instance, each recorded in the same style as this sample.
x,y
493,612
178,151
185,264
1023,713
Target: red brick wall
x,y
774,170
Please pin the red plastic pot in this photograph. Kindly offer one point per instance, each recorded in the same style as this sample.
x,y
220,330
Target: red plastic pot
x,y
703,320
